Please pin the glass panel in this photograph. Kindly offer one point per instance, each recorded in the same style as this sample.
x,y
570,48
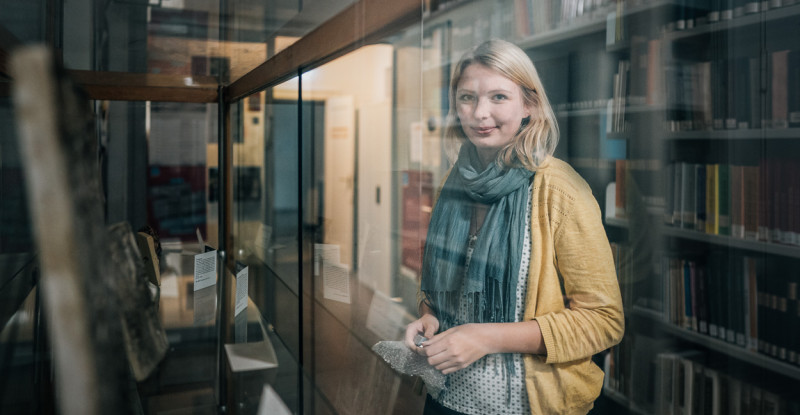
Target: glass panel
x,y
678,120
25,20
175,175
266,215
364,102
19,358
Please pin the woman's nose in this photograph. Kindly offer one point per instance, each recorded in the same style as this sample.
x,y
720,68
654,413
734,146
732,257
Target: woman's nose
x,y
481,109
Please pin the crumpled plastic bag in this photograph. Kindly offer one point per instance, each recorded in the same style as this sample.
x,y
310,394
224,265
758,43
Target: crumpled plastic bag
x,y
408,362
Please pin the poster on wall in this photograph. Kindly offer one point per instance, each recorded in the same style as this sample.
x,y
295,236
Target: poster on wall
x,y
417,194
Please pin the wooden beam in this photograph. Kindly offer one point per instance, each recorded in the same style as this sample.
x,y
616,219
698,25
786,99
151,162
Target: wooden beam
x,y
361,23
123,86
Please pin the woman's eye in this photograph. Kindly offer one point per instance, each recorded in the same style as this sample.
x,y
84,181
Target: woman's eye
x,y
465,97
500,97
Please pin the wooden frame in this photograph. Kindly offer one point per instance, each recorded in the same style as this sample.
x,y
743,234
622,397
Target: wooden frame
x,y
122,86
363,22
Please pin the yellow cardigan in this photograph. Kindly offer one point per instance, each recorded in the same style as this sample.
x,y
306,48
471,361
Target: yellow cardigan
x,y
568,238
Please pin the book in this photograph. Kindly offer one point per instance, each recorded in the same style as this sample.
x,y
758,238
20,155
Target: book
x,y
688,195
700,197
669,194
741,88
751,202
793,88
737,201
765,192
779,88
751,298
723,199
712,199
719,89
732,95
620,195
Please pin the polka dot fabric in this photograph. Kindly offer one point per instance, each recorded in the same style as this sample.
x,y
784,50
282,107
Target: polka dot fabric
x,y
483,387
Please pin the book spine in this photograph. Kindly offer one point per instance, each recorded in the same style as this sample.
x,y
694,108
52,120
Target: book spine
x,y
794,88
765,191
712,288
689,195
724,199
751,297
743,98
620,196
779,89
794,201
702,300
693,322
669,194
712,199
677,194
719,90
750,196
732,95
700,197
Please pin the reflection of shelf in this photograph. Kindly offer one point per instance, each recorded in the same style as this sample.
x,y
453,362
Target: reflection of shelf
x,y
747,134
722,240
750,20
619,223
622,400
562,34
720,346
748,244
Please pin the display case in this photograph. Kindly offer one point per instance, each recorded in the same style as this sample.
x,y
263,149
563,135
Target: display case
x,y
304,143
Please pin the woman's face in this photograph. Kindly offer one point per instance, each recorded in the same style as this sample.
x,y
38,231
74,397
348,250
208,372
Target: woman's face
x,y
490,107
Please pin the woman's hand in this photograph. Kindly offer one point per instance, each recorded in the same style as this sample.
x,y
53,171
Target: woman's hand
x,y
428,325
462,345
457,348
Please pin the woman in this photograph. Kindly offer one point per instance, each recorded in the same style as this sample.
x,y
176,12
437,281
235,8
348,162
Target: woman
x,y
518,288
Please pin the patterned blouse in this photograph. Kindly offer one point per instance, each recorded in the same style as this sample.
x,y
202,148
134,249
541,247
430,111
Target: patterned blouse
x,y
483,387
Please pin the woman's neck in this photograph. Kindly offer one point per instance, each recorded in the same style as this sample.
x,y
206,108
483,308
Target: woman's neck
x,y
486,157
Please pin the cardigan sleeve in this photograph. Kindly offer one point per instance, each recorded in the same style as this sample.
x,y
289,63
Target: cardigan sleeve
x,y
594,319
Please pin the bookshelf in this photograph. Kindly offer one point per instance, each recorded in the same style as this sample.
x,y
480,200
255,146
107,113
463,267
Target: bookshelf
x,y
694,115
743,134
654,318
746,21
753,245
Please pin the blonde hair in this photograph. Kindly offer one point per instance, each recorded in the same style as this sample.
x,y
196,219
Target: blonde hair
x,y
536,139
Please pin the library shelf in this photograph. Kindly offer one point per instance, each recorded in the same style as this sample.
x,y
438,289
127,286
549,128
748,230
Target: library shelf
x,y
724,240
623,401
743,134
562,34
653,318
789,251
742,22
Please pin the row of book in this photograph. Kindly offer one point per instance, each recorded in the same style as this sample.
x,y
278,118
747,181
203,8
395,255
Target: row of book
x,y
735,93
748,301
617,367
690,14
535,17
760,202
686,386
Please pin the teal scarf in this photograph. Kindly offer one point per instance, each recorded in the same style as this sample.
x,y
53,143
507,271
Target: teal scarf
x,y
488,286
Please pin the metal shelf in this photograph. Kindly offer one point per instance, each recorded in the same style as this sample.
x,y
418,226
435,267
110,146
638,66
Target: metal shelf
x,y
720,346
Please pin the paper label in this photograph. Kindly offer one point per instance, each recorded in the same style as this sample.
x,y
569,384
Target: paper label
x,y
205,270
336,281
271,403
325,253
241,291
